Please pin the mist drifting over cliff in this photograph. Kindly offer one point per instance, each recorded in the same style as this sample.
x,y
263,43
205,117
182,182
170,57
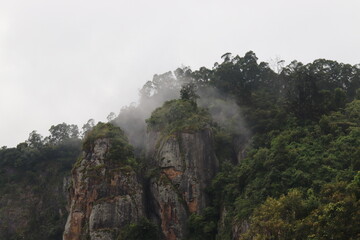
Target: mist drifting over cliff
x,y
164,87
153,94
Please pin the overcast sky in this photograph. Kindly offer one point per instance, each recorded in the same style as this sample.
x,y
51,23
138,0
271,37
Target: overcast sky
x,y
72,60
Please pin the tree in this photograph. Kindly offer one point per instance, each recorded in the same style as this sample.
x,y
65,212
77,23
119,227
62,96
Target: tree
x,y
147,90
111,117
63,132
74,131
277,64
188,92
338,217
88,126
183,74
281,218
35,140
226,57
240,76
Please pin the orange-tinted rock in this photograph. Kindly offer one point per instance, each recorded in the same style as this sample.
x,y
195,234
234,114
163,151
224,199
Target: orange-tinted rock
x,y
102,197
171,173
187,162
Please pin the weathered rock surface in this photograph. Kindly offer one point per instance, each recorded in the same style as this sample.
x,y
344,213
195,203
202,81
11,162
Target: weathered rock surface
x,y
240,143
104,197
169,208
187,164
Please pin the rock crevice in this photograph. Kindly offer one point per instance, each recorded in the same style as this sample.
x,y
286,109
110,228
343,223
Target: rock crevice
x,y
105,198
102,196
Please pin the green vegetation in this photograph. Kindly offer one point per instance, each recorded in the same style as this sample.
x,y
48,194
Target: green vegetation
x,y
188,92
333,213
203,227
304,153
179,115
143,229
304,133
32,191
298,178
120,152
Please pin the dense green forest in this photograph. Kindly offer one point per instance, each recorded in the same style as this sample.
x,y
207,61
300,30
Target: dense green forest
x,y
300,176
33,180
297,175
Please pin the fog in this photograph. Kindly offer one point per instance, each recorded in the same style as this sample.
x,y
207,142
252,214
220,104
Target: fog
x,y
69,61
224,110
222,107
154,93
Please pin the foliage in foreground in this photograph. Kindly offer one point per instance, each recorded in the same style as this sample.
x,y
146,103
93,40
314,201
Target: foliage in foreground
x,y
333,213
294,185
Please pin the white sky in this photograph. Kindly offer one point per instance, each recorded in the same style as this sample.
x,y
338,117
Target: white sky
x,y
72,60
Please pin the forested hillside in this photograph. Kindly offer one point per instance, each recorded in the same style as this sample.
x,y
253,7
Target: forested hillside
x,y
34,177
279,158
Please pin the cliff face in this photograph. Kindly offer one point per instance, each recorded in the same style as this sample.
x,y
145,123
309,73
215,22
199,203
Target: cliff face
x,y
104,197
107,195
186,164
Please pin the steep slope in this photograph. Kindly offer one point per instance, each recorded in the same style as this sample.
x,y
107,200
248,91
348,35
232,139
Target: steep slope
x,y
185,163
106,194
290,172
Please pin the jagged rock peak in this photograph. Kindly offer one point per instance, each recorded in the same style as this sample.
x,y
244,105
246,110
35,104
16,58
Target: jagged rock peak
x,y
186,164
106,194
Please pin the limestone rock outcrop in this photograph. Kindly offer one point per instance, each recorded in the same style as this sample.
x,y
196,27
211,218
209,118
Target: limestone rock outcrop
x,y
103,198
107,195
186,164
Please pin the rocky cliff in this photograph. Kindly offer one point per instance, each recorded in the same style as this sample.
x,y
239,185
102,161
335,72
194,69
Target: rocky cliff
x,y
186,163
112,191
106,194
